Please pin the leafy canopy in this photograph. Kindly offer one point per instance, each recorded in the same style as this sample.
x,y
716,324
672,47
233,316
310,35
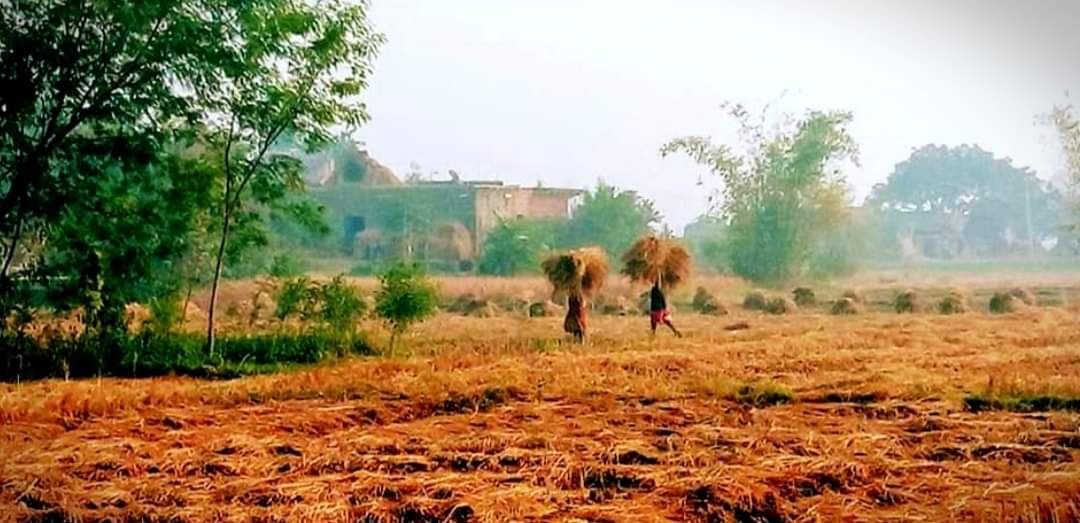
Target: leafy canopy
x,y
781,193
609,218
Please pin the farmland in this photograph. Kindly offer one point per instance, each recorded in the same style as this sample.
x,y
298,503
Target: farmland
x,y
751,417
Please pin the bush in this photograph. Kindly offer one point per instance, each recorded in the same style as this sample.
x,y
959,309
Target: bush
x,y
154,354
706,303
755,301
285,266
906,301
804,297
406,296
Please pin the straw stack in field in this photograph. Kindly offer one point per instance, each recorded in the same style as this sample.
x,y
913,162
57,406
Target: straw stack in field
x,y
651,259
578,272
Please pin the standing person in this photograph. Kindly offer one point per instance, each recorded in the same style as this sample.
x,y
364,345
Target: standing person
x,y
575,322
658,310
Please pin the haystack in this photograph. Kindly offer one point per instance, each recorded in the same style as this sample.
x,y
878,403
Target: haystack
x,y
755,301
579,272
804,296
1024,295
906,301
853,296
1005,303
845,306
542,309
705,303
953,303
653,259
780,305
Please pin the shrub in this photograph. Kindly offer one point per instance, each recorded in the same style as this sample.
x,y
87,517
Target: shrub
x,y
906,301
804,297
780,305
296,297
845,306
340,305
285,266
953,303
406,296
755,301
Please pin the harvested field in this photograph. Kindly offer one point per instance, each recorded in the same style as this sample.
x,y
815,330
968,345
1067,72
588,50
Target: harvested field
x,y
492,419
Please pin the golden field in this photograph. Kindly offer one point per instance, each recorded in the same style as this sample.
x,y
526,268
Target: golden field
x,y
750,417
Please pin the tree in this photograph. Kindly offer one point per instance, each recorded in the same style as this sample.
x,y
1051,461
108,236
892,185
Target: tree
x,y
292,72
406,296
81,70
124,233
782,194
1068,127
515,246
964,192
609,218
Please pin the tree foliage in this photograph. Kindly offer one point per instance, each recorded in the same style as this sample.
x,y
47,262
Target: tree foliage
x,y
782,193
516,246
966,192
609,218
1068,126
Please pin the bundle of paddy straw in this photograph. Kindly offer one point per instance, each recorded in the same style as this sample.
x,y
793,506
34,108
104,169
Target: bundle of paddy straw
x,y
578,272
653,259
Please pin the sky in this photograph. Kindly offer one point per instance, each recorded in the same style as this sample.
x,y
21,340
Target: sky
x,y
566,93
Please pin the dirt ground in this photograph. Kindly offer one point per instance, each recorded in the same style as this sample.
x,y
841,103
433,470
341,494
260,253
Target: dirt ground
x,y
499,419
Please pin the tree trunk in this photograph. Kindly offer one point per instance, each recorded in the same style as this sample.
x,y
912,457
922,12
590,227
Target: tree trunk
x,y
9,255
210,338
187,301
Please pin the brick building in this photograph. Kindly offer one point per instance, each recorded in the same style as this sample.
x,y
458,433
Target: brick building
x,y
377,216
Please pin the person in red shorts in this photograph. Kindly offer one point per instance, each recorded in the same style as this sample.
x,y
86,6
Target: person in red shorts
x,y
658,310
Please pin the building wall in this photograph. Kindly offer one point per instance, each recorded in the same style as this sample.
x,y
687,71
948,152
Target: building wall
x,y
476,208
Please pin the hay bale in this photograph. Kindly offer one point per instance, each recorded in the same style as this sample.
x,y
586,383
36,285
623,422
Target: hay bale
x,y
755,301
578,272
953,303
804,296
1025,296
543,309
705,303
853,296
486,310
906,301
1005,303
845,306
620,306
780,305
651,259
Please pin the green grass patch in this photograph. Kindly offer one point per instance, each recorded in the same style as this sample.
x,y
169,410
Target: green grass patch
x,y
1021,402
757,394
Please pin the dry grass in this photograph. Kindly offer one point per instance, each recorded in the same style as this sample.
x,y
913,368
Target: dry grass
x,y
807,416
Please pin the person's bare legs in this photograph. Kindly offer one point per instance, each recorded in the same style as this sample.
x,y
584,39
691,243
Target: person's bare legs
x,y
672,327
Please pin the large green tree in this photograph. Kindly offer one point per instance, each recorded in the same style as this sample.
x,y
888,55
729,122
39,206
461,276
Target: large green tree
x,y
985,202
76,70
782,193
516,246
609,218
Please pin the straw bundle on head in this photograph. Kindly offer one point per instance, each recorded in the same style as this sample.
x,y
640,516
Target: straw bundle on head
x,y
651,259
580,271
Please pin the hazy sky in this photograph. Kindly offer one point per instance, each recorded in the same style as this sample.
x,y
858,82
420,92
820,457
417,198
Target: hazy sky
x,y
566,92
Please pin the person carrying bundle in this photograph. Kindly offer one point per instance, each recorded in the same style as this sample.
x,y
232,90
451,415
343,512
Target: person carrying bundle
x,y
579,274
662,263
658,310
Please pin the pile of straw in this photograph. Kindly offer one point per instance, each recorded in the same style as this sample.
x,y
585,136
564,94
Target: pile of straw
x,y
578,272
651,259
